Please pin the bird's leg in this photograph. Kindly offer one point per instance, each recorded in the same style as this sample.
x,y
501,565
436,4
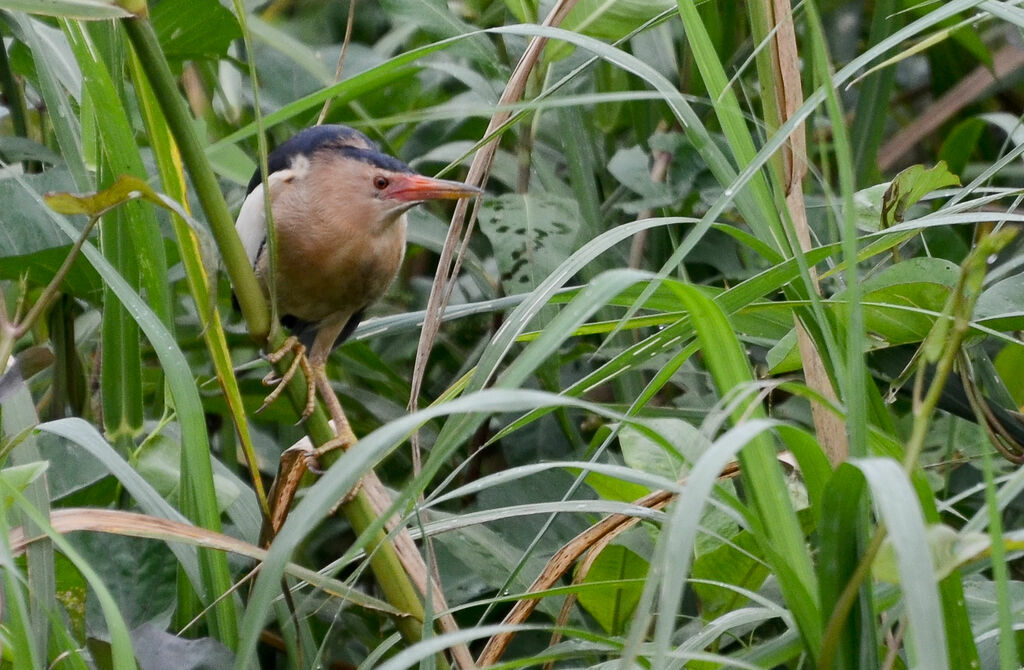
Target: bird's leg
x,y
303,456
291,345
315,368
343,435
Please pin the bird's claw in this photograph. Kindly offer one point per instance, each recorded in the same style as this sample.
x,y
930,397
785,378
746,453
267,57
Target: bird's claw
x,y
311,459
291,345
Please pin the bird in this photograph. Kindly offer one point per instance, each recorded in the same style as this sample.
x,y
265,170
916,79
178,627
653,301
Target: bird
x,y
338,205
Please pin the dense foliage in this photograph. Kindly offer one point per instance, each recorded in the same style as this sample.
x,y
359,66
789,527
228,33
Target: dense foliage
x,y
725,378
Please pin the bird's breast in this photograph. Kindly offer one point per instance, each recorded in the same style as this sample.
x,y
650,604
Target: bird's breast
x,y
325,270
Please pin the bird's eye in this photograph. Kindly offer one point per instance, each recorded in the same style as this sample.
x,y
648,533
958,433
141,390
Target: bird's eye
x,y
381,182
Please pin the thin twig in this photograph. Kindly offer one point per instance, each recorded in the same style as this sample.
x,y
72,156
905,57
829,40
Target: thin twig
x,y
447,267
894,643
53,287
341,58
564,558
638,247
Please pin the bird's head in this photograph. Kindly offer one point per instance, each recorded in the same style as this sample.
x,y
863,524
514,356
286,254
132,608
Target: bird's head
x,y
345,177
383,186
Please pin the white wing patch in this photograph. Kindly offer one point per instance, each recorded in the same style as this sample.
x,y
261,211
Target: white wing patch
x,y
251,224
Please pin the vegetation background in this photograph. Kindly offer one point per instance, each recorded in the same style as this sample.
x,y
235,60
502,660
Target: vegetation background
x,y
683,409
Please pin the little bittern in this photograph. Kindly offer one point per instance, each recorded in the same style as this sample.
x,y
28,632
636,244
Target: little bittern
x,y
338,205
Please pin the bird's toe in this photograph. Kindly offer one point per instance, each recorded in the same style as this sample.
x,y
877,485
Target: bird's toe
x,y
280,382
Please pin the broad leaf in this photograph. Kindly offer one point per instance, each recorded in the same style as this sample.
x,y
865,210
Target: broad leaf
x,y
531,235
612,606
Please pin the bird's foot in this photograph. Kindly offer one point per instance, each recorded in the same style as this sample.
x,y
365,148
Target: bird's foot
x,y
301,361
311,459
343,439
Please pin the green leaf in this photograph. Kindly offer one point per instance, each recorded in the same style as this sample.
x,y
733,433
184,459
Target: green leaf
x,y
632,168
959,144
641,452
1001,305
436,18
917,289
899,509
59,81
72,468
490,558
125,189
949,550
18,477
611,19
14,148
614,488
531,235
40,267
736,564
141,574
980,594
1009,362
153,646
194,30
607,19
183,392
25,227
730,369
83,436
909,187
612,606
841,536
159,463
73,9
899,305
867,203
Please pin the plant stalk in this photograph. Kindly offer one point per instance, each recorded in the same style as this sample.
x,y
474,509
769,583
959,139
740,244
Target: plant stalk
x,y
384,560
222,225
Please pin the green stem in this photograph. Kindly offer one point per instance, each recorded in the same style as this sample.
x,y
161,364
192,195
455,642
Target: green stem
x,y
942,346
195,273
14,97
923,410
49,294
387,567
831,637
1008,657
247,290
384,560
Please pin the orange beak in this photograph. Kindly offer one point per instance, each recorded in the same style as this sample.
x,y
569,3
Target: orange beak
x,y
417,188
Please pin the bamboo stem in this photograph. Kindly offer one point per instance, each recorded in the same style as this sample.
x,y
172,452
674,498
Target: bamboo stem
x,y
384,560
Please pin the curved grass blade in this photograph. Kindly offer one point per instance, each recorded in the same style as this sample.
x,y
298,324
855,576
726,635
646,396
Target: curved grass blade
x,y
900,510
120,640
195,443
321,498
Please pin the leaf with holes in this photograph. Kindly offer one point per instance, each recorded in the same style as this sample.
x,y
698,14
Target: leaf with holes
x,y
531,234
910,186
